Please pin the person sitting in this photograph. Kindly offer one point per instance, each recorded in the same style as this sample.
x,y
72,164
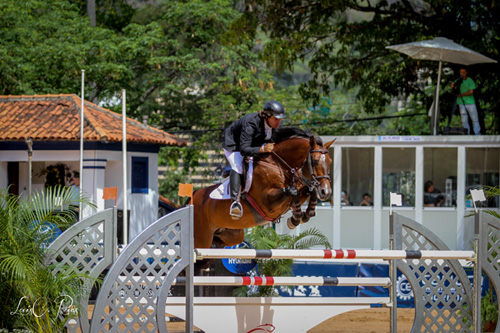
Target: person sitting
x,y
367,200
431,195
345,199
249,136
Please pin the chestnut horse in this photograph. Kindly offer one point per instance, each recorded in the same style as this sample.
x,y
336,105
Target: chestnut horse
x,y
297,170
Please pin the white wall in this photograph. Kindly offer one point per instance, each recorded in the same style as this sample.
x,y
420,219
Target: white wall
x,y
3,175
143,207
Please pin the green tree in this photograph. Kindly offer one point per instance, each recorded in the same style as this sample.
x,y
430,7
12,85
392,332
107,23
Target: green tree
x,y
51,293
343,44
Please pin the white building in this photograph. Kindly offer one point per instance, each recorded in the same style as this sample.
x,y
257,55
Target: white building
x,y
53,124
403,164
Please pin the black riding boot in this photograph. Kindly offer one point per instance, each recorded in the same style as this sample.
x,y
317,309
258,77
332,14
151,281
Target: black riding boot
x,y
236,210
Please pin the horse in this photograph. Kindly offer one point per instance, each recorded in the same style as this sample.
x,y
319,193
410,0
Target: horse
x,y
296,170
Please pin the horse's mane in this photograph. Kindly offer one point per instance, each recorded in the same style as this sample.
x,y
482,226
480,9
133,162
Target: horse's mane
x,y
285,133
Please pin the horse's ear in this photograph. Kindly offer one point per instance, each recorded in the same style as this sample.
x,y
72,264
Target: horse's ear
x,y
328,144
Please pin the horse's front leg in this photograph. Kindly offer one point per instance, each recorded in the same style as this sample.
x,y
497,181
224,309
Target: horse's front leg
x,y
311,207
297,214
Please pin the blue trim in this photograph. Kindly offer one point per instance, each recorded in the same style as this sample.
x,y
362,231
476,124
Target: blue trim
x,y
94,167
95,160
75,145
140,174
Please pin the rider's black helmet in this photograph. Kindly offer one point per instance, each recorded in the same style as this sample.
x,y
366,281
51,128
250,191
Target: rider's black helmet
x,y
274,108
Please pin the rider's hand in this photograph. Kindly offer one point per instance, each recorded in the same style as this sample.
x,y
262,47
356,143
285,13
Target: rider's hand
x,y
267,148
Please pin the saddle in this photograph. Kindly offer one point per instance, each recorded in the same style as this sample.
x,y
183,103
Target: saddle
x,y
222,191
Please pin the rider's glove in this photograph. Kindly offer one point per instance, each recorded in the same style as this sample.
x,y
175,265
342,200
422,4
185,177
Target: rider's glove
x,y
266,148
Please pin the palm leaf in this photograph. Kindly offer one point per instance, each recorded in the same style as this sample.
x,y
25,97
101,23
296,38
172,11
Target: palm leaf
x,y
23,240
265,237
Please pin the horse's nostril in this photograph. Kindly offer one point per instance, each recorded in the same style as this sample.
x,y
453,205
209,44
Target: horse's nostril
x,y
325,193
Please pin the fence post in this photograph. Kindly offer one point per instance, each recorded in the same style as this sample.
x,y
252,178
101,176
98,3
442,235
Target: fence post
x,y
189,276
476,315
393,277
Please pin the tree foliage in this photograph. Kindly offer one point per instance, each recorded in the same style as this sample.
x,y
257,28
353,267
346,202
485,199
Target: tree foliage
x,y
343,43
193,67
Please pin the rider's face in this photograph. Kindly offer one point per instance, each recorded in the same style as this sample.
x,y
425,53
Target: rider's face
x,y
273,121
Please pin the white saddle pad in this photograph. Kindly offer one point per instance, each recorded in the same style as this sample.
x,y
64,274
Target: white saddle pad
x,y
222,191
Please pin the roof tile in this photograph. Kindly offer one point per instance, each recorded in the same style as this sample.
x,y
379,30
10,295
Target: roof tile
x,y
57,117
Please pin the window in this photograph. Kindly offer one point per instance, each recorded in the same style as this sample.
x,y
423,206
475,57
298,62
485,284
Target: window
x,y
357,174
482,169
398,175
140,175
440,169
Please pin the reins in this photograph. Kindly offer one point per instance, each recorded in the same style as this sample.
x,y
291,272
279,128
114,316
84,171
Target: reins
x,y
296,175
292,171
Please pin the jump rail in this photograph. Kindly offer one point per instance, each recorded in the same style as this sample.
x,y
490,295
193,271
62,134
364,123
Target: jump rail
x,y
331,254
272,281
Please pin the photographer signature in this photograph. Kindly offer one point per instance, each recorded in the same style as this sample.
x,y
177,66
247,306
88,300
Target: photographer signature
x,y
39,307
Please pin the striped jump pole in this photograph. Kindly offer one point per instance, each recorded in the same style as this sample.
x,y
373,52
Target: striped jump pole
x,y
286,281
271,281
201,254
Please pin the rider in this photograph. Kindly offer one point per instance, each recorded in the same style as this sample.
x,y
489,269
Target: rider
x,y
249,136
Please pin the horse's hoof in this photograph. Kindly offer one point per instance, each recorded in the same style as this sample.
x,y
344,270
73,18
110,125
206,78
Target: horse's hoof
x,y
291,224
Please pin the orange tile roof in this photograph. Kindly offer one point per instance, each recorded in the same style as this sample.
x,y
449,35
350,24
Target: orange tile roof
x,y
57,118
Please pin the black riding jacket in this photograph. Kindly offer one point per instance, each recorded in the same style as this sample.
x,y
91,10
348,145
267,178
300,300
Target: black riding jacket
x,y
245,135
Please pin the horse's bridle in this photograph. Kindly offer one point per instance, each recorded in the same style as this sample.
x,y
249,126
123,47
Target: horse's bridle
x,y
311,184
314,183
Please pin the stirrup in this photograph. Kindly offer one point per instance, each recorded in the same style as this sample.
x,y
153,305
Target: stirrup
x,y
236,210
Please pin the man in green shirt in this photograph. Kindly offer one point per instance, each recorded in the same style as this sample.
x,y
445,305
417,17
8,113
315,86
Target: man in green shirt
x,y
466,102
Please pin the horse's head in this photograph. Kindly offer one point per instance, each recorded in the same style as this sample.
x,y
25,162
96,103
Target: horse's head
x,y
299,148
317,167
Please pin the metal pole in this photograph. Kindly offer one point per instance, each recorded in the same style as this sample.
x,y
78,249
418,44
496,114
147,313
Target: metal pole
x,y
190,276
30,153
436,115
476,313
393,277
124,150
82,117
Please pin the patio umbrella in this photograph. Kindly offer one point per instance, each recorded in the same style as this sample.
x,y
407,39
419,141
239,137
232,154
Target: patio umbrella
x,y
443,50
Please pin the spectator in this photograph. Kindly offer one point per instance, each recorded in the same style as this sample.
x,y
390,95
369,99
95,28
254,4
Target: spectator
x,y
464,90
432,196
345,199
367,200
74,182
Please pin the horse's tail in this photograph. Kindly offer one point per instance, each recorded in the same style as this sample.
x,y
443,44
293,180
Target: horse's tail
x,y
189,200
